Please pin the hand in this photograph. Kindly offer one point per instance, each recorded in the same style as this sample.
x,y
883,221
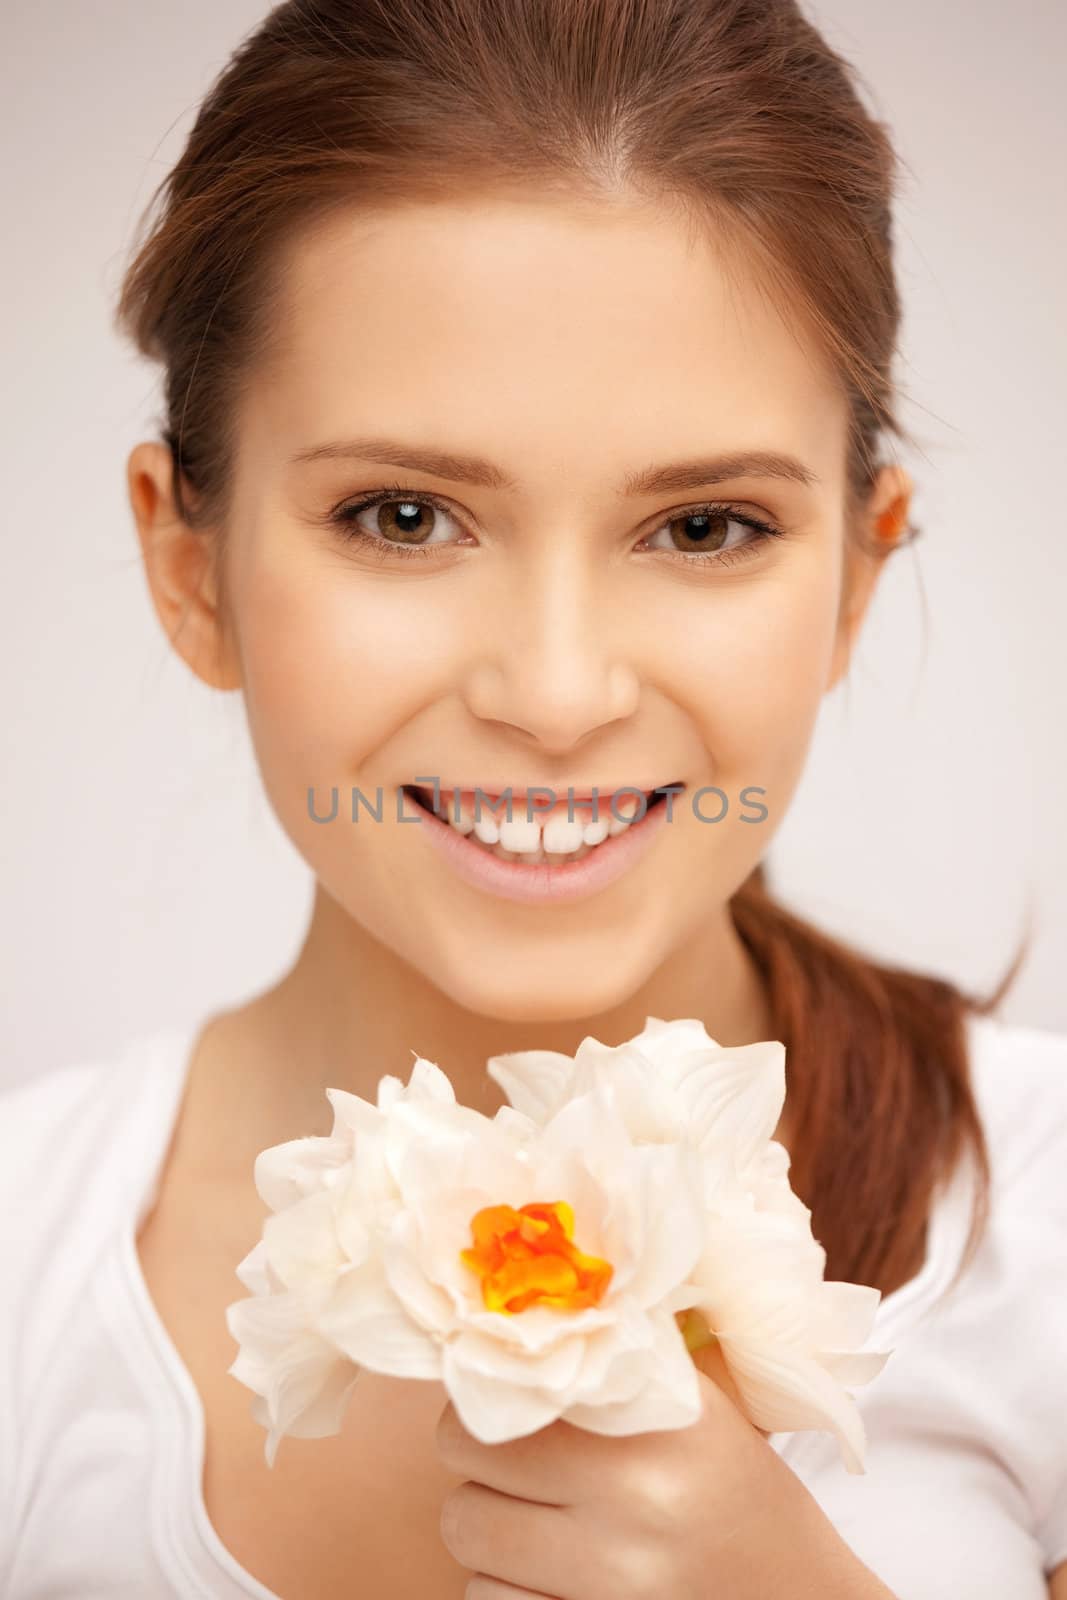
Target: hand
x,y
699,1513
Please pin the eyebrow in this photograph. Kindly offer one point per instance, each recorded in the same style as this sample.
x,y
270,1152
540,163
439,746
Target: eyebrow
x,y
671,478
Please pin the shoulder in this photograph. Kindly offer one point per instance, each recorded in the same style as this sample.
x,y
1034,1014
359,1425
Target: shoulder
x,y
1019,1079
78,1143
1003,1053
64,1130
46,1122
28,1106
1019,1300
58,1133
73,1140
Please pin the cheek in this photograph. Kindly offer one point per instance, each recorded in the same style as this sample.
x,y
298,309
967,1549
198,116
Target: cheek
x,y
757,662
334,664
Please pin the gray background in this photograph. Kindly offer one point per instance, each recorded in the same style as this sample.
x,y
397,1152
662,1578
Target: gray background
x,y
145,879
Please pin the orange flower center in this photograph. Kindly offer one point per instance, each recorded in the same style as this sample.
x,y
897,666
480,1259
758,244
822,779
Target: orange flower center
x,y
527,1257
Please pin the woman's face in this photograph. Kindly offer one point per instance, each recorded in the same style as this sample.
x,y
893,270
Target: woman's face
x,y
559,626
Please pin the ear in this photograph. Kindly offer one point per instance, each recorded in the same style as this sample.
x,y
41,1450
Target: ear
x,y
180,566
884,523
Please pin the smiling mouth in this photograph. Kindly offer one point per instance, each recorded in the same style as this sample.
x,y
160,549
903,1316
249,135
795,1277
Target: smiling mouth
x,y
548,836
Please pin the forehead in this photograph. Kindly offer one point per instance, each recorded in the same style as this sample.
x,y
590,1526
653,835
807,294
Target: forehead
x,y
541,331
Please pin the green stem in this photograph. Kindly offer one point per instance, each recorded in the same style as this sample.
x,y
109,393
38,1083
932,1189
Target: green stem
x,y
695,1329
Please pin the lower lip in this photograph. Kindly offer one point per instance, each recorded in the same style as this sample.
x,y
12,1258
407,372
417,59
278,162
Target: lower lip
x,y
542,882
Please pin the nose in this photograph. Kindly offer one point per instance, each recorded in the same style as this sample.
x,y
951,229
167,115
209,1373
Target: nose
x,y
552,662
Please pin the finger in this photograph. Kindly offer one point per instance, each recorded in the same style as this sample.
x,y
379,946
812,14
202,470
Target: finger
x,y
532,1547
483,1588
554,1466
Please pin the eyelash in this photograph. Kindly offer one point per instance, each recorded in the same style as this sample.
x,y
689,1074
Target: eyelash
x,y
344,518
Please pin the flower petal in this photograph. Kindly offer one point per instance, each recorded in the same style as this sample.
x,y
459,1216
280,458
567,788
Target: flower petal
x,y
757,1275
254,1271
301,1241
516,1124
735,1097
669,1397
426,1082
783,1389
536,1082
423,1300
308,1382
651,1109
617,1357
265,1323
539,1328
682,1034
352,1115
288,1172
664,1181
853,1367
367,1323
493,1409
554,1368
322,1411
843,1314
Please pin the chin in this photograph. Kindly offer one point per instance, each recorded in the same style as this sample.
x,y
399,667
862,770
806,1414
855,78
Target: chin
x,y
541,991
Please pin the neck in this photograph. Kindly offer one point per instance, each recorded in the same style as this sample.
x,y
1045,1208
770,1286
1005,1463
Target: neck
x,y
350,1010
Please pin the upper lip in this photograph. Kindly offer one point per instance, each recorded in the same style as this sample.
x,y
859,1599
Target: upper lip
x,y
560,790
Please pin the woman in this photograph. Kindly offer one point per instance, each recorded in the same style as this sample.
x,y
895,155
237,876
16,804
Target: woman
x,y
527,371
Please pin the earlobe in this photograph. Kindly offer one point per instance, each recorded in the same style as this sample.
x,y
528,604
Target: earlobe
x,y
179,564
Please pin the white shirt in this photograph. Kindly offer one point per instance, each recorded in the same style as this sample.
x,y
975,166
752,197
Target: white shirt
x,y
102,1429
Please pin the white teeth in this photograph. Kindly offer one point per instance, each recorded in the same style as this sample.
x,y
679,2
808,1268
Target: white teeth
x,y
520,834
563,837
460,815
530,858
534,839
627,808
487,828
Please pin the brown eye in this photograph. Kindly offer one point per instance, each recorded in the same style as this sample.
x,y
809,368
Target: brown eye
x,y
700,530
405,524
410,521
705,533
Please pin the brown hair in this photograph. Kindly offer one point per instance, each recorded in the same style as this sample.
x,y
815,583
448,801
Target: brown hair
x,y
739,111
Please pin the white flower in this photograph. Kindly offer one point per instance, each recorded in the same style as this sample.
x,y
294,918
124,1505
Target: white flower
x,y
558,1260
787,1336
564,1309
